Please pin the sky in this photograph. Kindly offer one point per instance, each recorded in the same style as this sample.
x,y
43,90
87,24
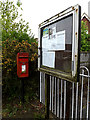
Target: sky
x,y
37,11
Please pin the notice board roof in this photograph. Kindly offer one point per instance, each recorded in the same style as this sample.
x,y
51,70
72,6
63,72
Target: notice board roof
x,y
55,17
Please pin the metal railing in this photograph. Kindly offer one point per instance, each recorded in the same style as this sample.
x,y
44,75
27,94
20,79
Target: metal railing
x,y
68,99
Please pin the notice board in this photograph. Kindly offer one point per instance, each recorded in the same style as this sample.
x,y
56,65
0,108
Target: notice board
x,y
59,44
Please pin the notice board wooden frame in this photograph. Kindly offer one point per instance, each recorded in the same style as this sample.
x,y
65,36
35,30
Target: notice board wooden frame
x,y
76,38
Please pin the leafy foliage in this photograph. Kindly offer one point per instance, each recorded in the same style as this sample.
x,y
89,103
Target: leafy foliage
x,y
16,37
10,28
10,50
85,43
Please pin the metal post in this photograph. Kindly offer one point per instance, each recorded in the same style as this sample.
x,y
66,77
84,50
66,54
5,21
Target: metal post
x,y
83,67
81,95
88,98
64,99
47,92
58,97
43,88
40,87
76,100
72,98
55,98
50,92
61,101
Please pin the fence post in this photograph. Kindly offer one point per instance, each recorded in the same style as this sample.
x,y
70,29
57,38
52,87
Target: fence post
x,y
68,90
50,92
76,100
88,97
40,87
81,95
61,100
47,92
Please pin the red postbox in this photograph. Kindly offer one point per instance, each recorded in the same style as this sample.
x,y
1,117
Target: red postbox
x,y
22,65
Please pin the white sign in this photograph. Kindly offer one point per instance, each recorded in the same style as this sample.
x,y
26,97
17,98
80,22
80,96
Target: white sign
x,y
48,59
23,68
58,43
54,43
60,38
45,43
50,45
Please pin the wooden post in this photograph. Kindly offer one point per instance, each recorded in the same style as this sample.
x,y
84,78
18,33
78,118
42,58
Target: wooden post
x,y
47,95
22,90
68,99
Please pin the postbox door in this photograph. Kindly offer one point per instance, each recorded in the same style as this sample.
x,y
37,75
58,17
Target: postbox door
x,y
23,64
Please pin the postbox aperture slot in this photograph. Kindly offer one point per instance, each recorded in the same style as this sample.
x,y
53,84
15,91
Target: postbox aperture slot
x,y
23,56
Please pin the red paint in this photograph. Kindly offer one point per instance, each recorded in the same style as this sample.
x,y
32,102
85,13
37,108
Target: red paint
x,y
22,65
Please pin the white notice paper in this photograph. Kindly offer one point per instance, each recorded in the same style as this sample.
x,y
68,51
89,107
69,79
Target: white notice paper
x,y
60,36
58,43
48,59
45,44
23,68
49,46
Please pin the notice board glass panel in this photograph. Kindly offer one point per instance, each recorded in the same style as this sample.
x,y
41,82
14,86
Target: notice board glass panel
x,y
57,45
